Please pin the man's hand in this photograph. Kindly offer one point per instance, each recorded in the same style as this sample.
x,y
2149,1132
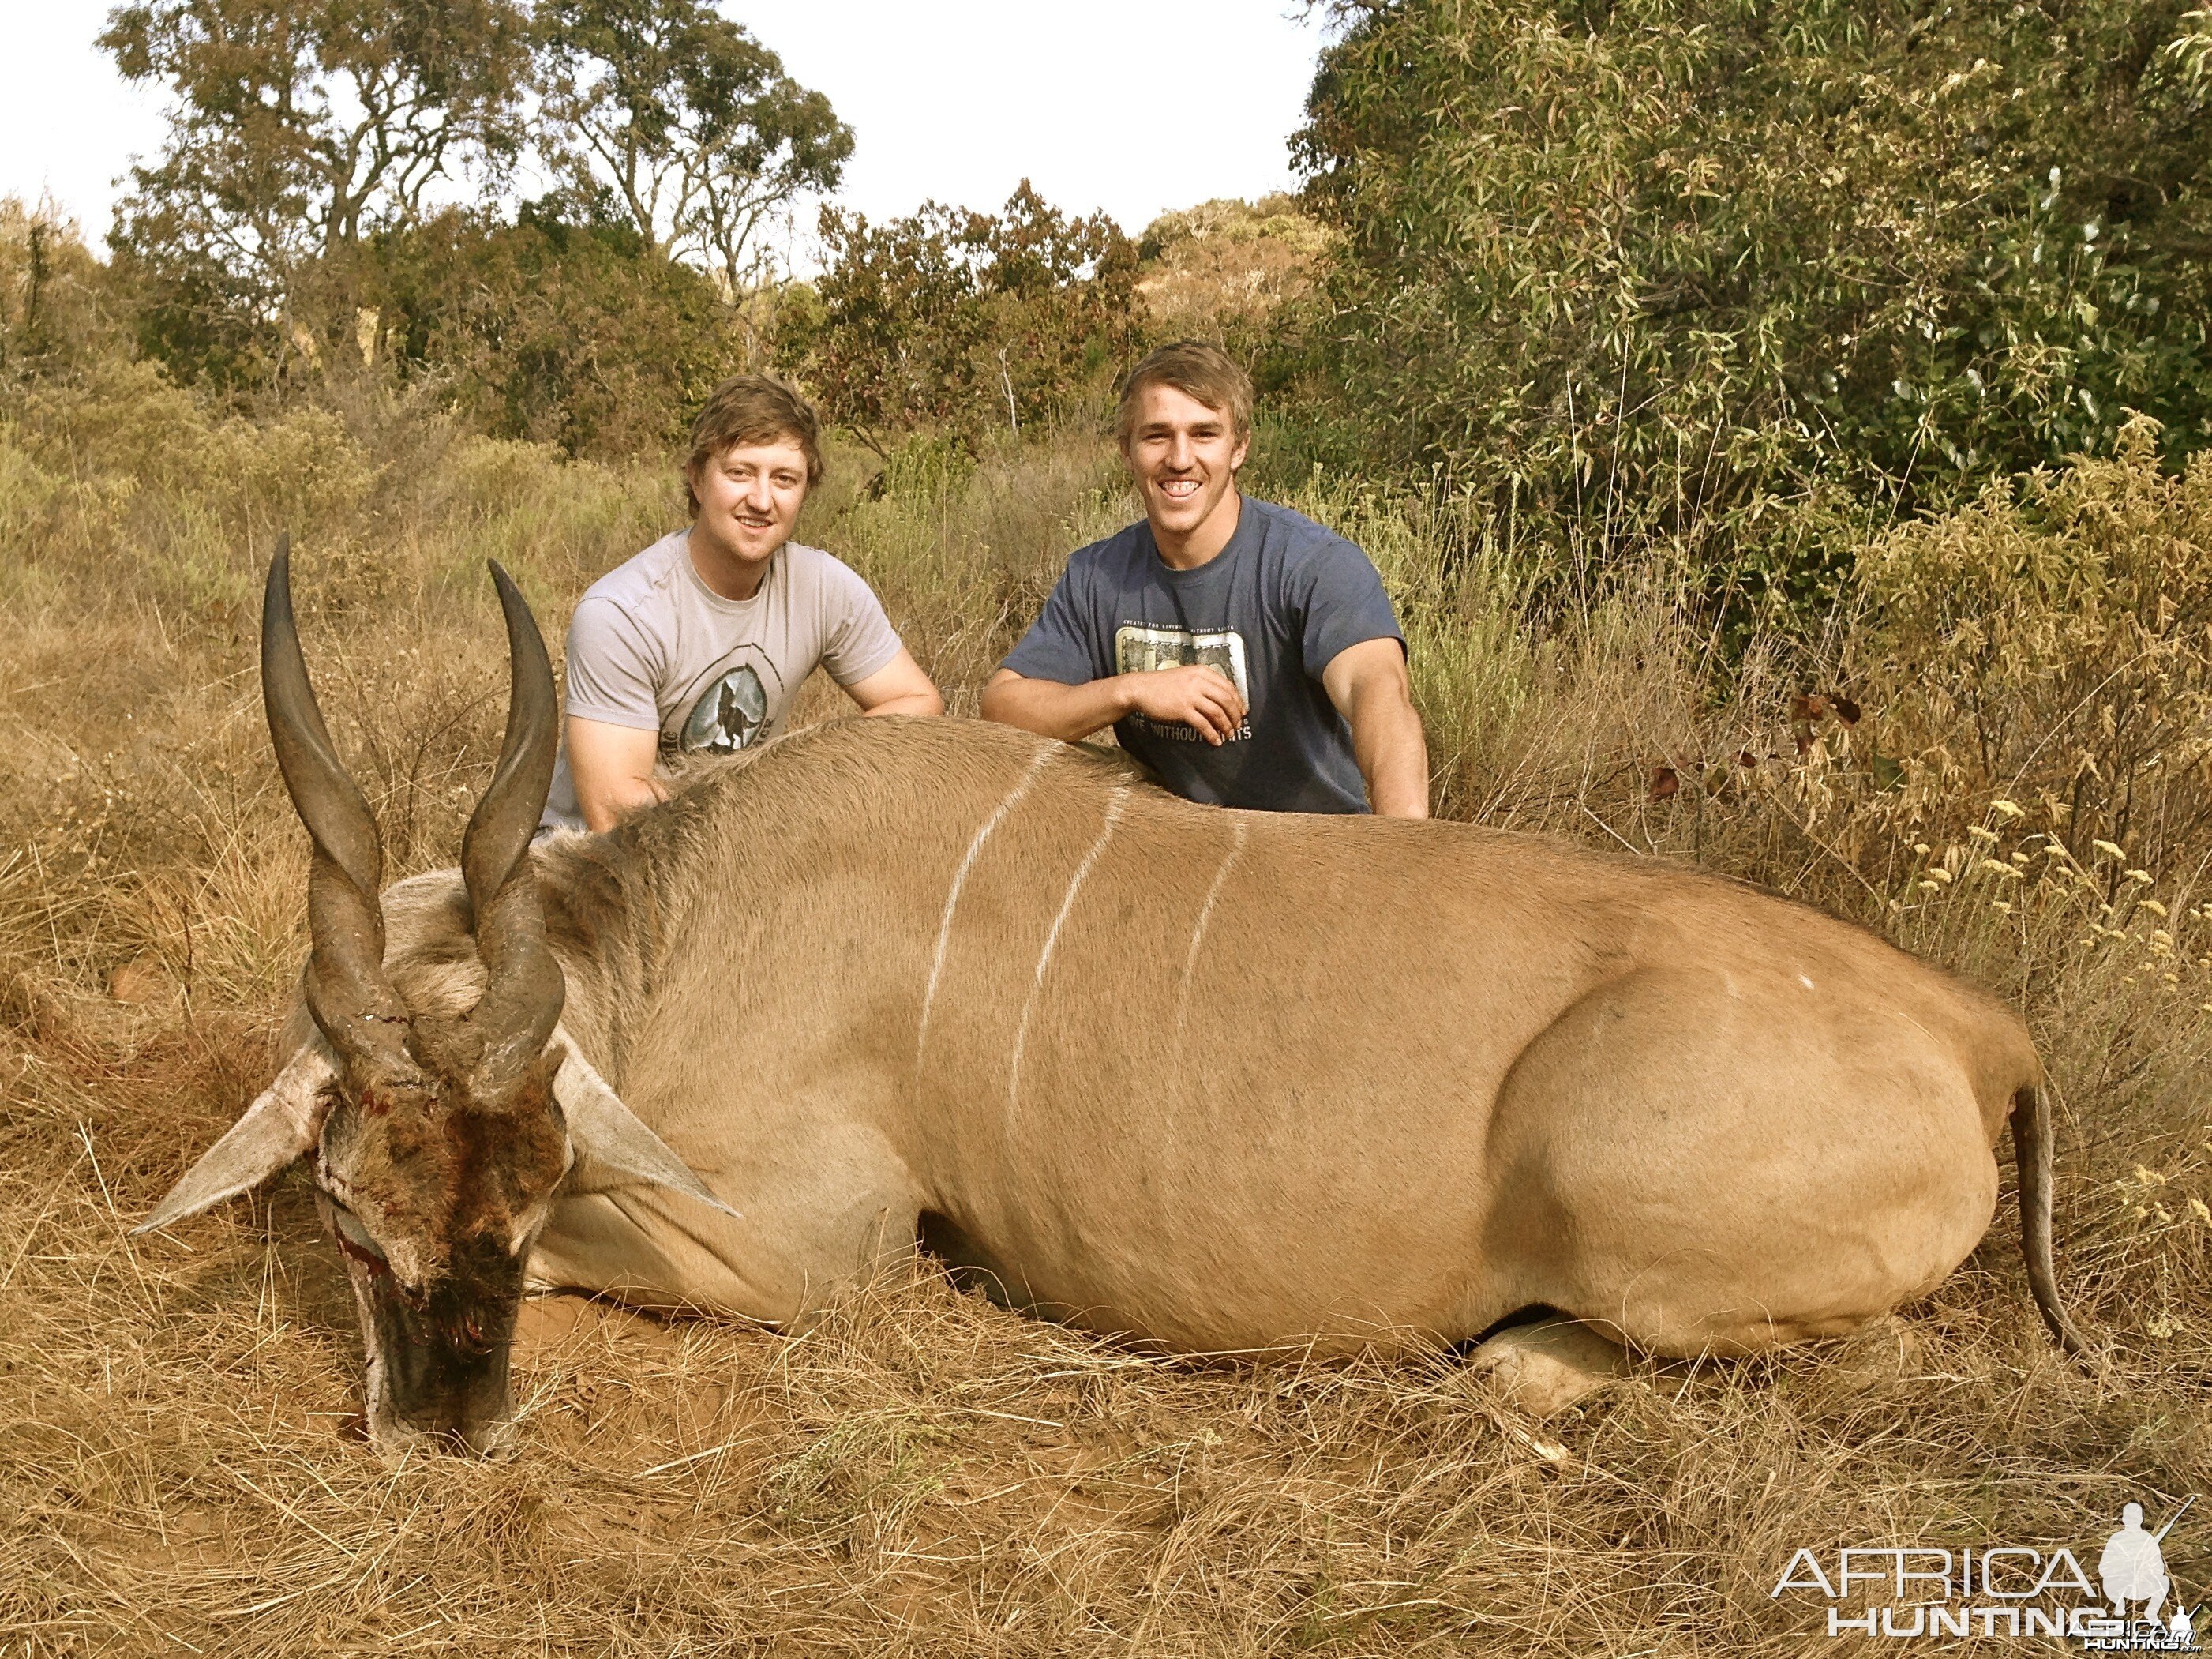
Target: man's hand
x,y
612,766
1370,688
1199,697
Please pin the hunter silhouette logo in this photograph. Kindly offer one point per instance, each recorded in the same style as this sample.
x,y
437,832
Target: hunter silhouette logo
x,y
2009,1590
2133,1567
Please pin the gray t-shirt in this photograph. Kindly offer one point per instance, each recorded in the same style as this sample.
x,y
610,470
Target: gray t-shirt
x,y
652,646
1271,611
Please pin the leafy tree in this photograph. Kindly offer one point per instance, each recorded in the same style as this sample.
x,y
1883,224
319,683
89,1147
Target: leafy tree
x,y
299,130
898,328
575,334
1662,265
967,320
679,120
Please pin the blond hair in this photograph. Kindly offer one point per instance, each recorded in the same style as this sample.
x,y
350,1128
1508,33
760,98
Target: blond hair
x,y
1196,369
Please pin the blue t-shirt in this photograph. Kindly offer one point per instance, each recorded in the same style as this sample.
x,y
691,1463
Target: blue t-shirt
x,y
1270,610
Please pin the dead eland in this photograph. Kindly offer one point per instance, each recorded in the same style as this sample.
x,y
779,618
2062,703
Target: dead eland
x,y
1220,1081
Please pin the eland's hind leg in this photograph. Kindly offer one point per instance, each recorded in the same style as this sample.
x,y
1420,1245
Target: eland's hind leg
x,y
1680,1165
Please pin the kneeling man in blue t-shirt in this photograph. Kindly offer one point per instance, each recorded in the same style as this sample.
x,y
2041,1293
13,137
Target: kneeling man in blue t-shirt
x,y
1246,655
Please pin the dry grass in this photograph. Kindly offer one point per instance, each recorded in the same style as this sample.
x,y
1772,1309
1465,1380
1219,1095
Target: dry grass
x,y
925,1474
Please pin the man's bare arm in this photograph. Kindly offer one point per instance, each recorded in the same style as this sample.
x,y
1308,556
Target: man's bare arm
x,y
1199,697
1370,688
612,768
899,687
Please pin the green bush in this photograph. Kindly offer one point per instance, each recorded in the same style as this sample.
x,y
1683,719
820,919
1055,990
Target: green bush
x,y
967,322
575,335
1666,266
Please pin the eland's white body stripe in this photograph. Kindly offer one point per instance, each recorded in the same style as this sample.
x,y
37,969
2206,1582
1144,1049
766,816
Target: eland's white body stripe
x,y
1205,917
1052,942
952,897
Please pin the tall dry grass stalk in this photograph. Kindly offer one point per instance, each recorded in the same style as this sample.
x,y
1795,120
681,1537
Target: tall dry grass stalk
x,y
925,1474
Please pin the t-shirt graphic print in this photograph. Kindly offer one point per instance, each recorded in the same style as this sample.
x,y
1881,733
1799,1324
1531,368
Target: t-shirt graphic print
x,y
1139,648
731,715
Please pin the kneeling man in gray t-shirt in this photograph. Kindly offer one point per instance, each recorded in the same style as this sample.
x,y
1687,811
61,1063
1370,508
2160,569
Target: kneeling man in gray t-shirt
x,y
698,645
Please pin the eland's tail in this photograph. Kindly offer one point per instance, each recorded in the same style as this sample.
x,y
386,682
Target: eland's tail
x,y
2031,1147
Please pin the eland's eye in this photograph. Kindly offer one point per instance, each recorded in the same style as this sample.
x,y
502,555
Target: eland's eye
x,y
354,1238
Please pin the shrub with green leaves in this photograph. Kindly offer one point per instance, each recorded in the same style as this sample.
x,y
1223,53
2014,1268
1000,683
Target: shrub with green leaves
x,y
1666,265
297,129
578,335
965,321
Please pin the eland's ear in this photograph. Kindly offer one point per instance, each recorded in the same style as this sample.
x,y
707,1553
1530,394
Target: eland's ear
x,y
278,1130
615,1137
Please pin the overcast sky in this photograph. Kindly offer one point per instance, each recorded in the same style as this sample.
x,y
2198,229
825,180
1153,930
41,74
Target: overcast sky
x,y
1133,106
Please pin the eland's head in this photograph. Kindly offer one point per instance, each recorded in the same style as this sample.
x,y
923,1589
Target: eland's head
x,y
437,1141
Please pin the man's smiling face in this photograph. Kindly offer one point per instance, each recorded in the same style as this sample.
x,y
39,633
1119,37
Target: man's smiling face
x,y
749,499
1184,456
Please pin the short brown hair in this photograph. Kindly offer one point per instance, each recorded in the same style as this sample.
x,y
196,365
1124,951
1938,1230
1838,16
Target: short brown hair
x,y
1197,370
753,409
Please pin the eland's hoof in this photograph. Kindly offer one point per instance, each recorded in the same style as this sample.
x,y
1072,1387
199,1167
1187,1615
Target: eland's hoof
x,y
1548,1366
